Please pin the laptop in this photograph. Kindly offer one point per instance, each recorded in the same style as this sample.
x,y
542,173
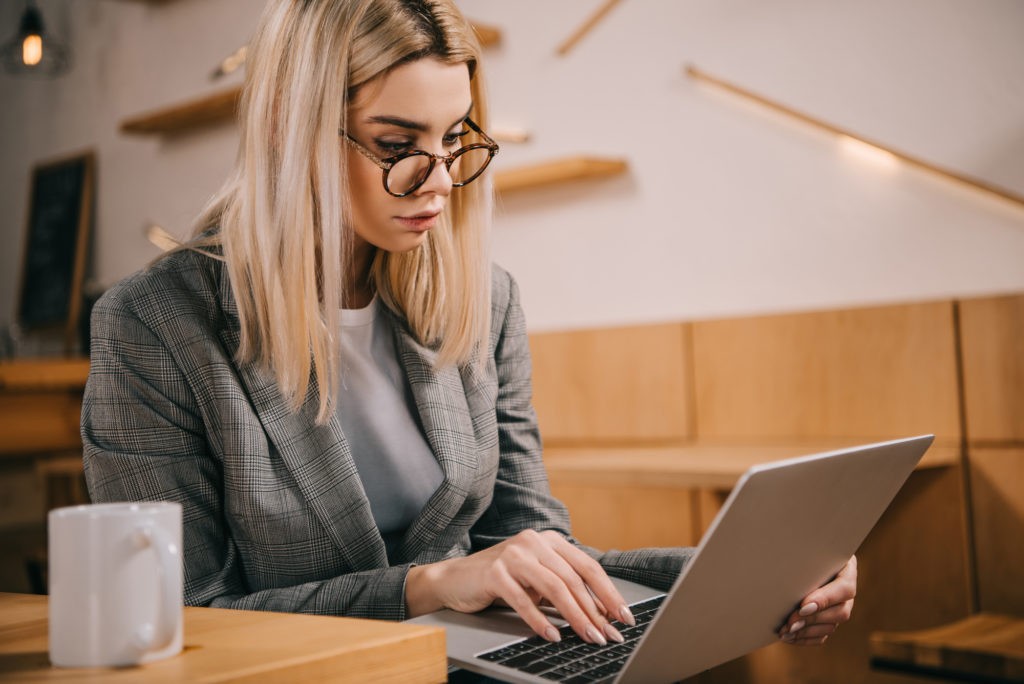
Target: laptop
x,y
786,528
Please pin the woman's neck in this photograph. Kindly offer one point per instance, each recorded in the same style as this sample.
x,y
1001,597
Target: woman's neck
x,y
358,291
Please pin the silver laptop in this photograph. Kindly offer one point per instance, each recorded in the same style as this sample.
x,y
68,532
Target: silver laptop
x,y
786,528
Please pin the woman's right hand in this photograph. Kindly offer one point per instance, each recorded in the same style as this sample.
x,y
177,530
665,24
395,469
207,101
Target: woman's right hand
x,y
522,572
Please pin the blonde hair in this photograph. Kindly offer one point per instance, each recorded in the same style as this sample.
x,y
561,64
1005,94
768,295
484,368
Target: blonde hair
x,y
283,217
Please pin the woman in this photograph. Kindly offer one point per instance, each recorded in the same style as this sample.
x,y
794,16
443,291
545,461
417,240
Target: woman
x,y
331,378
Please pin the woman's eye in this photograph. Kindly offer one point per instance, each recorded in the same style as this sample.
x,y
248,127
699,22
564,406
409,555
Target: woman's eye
x,y
454,139
392,147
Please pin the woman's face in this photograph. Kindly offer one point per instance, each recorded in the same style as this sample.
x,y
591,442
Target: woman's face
x,y
421,105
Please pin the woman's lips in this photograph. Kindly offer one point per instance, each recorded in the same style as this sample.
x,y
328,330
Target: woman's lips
x,y
420,222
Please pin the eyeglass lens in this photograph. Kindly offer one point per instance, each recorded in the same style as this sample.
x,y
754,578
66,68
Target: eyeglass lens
x,y
412,171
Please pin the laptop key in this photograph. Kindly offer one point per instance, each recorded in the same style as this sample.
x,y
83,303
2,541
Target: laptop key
x,y
584,678
537,667
520,660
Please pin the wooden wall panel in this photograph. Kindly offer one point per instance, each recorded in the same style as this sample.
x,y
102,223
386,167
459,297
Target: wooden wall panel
x,y
997,493
992,337
628,517
619,384
879,372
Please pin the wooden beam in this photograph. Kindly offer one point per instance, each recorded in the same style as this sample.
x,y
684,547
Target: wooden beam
x,y
586,27
948,174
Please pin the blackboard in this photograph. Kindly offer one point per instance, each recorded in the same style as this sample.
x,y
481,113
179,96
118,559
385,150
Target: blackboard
x,y
59,219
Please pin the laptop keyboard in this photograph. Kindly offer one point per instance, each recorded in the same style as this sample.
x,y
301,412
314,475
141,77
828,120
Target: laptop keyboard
x,y
572,659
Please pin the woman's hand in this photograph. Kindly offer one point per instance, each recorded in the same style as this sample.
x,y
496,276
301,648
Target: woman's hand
x,y
823,610
521,572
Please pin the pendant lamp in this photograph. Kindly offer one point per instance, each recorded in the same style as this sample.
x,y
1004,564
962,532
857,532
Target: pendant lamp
x,y
33,51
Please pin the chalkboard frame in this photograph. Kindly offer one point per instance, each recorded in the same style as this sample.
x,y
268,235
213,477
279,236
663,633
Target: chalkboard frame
x,y
76,227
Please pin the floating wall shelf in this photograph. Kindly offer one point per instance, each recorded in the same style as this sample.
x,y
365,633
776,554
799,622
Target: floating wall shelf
x,y
206,110
558,171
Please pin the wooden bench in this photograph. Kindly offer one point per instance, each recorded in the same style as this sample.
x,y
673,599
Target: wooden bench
x,y
981,648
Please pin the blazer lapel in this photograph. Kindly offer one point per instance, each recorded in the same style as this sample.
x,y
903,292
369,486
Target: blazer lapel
x,y
318,456
444,414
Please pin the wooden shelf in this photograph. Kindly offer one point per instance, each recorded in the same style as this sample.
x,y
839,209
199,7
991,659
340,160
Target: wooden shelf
x,y
558,171
222,106
219,106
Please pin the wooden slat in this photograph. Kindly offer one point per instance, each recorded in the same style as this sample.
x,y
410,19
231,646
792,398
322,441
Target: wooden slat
x,y
613,383
997,493
992,337
557,171
881,372
982,647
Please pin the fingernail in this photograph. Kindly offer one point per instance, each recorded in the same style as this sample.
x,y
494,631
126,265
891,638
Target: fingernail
x,y
626,616
797,626
596,636
789,638
613,634
551,634
809,609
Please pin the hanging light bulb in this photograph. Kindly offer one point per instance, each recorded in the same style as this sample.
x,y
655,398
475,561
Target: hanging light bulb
x,y
32,50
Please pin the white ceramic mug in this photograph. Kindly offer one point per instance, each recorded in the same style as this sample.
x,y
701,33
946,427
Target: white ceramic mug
x,y
115,583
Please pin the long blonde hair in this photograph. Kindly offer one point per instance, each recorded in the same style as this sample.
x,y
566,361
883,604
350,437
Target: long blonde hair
x,y
283,217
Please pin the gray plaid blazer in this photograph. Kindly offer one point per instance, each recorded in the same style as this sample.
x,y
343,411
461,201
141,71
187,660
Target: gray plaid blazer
x,y
275,516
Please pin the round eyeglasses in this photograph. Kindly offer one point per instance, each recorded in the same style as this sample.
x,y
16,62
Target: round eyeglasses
x,y
405,173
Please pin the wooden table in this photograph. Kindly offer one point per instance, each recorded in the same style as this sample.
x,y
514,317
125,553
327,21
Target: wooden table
x,y
240,646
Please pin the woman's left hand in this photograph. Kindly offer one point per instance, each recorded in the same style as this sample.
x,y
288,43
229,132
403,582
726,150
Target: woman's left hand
x,y
823,610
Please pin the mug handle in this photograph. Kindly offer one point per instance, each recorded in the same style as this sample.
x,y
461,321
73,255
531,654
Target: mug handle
x,y
150,637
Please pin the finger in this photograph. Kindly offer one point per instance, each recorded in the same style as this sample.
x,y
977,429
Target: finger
x,y
611,601
810,632
516,597
841,589
574,593
815,641
556,590
835,615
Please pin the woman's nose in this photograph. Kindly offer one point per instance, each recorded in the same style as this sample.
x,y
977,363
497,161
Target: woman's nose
x,y
438,181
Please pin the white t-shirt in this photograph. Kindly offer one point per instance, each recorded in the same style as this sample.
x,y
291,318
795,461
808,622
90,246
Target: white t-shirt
x,y
379,417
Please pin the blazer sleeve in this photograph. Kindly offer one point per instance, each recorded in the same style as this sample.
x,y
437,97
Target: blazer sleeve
x,y
522,495
145,439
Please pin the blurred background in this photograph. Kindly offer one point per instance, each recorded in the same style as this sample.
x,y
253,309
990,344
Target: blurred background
x,y
710,257
727,206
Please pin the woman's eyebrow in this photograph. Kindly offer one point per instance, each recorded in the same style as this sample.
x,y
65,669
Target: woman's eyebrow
x,y
398,121
402,122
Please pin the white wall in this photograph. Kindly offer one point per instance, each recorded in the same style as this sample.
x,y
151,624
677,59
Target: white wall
x,y
726,209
